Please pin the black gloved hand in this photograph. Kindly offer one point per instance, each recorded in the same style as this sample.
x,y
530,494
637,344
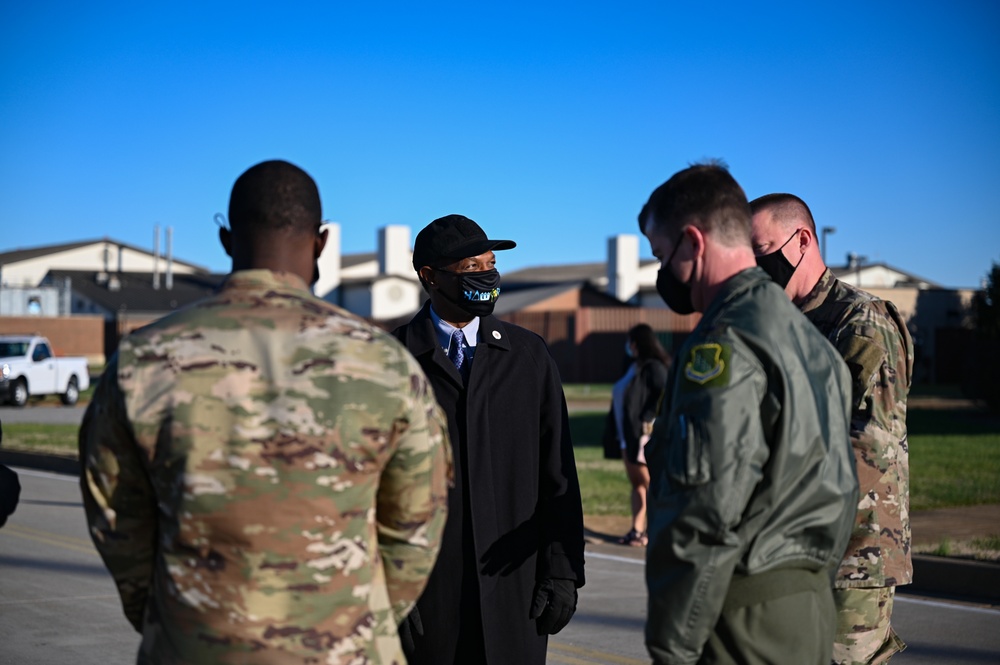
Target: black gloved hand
x,y
553,605
410,626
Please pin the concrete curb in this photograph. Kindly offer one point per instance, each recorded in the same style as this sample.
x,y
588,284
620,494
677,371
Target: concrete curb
x,y
976,581
41,461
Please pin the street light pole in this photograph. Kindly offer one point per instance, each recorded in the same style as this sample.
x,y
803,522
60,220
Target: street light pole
x,y
827,230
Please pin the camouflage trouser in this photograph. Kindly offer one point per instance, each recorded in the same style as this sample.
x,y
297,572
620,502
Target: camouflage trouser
x,y
864,636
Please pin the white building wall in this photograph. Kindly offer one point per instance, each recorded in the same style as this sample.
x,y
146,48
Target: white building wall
x,y
394,297
330,272
356,299
394,255
29,301
623,266
98,257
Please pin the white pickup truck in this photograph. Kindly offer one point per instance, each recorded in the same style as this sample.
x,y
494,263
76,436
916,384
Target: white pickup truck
x,y
28,367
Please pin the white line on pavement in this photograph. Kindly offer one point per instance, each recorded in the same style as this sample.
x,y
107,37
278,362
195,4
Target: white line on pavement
x,y
45,474
947,605
613,557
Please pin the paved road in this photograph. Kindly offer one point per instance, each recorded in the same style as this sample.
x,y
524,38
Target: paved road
x,y
43,414
58,605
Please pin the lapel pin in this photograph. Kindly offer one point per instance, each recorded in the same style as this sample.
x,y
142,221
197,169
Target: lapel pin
x,y
496,334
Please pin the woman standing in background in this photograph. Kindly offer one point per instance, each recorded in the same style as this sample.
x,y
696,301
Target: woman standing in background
x,y
635,400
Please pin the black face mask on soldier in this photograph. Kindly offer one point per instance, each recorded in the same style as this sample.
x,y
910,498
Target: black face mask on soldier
x,y
674,292
478,291
777,265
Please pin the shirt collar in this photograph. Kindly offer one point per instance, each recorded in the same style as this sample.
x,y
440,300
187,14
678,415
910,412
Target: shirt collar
x,y
818,295
443,330
261,278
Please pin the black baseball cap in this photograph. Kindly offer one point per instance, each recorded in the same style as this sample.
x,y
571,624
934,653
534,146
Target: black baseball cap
x,y
452,237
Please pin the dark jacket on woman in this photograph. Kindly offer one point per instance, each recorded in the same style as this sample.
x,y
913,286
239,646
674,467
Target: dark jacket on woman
x,y
642,401
514,513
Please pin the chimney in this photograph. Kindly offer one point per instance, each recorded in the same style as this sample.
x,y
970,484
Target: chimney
x,y
169,277
394,256
156,256
623,266
327,285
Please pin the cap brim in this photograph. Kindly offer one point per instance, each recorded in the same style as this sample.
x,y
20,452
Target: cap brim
x,y
477,247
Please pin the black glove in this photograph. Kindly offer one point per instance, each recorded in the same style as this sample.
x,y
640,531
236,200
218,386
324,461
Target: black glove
x,y
410,626
553,605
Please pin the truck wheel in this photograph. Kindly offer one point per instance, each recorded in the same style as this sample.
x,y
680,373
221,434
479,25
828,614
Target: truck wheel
x,y
72,393
19,395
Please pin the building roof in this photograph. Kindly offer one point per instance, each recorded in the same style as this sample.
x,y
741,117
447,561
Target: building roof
x,y
135,292
515,297
351,260
567,272
28,253
909,277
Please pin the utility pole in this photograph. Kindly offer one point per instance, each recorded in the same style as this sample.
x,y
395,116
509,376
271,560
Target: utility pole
x,y
827,230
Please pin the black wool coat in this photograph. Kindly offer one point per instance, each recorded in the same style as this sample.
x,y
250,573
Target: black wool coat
x,y
514,513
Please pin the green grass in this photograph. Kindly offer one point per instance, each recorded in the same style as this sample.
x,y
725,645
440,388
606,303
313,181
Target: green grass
x,y
954,461
41,438
954,458
603,484
587,391
987,542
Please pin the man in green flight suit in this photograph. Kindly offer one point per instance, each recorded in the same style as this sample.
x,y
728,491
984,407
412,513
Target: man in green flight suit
x,y
752,480
872,338
265,474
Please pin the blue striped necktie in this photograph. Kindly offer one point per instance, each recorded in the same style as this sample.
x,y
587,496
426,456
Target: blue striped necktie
x,y
455,353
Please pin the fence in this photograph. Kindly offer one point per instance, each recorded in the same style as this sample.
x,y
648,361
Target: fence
x,y
69,335
588,344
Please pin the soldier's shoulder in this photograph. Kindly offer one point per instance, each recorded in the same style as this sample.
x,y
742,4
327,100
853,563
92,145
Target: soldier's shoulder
x,y
861,304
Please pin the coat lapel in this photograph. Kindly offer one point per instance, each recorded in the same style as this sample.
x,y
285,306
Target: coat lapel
x,y
422,342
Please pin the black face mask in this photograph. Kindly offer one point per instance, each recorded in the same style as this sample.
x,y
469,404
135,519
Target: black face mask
x,y
478,291
777,265
674,292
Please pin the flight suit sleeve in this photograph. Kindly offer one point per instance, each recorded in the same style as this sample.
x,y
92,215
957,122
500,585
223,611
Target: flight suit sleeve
x,y
412,498
705,459
117,495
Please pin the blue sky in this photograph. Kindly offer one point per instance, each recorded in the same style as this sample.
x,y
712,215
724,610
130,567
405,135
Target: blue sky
x,y
548,123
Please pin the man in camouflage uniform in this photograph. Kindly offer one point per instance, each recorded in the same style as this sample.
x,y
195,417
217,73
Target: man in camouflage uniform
x,y
753,486
264,474
873,340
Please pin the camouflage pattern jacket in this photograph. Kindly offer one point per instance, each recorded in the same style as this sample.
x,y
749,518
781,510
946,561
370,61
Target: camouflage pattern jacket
x,y
265,476
873,340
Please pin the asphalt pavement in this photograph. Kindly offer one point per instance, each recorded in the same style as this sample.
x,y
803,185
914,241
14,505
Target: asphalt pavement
x,y
58,605
43,414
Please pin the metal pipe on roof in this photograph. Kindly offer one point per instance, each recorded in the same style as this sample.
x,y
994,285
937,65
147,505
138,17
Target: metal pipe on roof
x,y
156,256
170,258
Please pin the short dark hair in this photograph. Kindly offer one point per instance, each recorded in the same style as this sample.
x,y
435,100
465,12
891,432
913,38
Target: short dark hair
x,y
704,195
786,209
647,344
273,196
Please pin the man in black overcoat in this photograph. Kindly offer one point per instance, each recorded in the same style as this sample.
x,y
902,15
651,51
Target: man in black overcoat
x,y
512,553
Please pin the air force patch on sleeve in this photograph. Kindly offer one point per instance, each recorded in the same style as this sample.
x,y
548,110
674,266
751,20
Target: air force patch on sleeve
x,y
708,365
